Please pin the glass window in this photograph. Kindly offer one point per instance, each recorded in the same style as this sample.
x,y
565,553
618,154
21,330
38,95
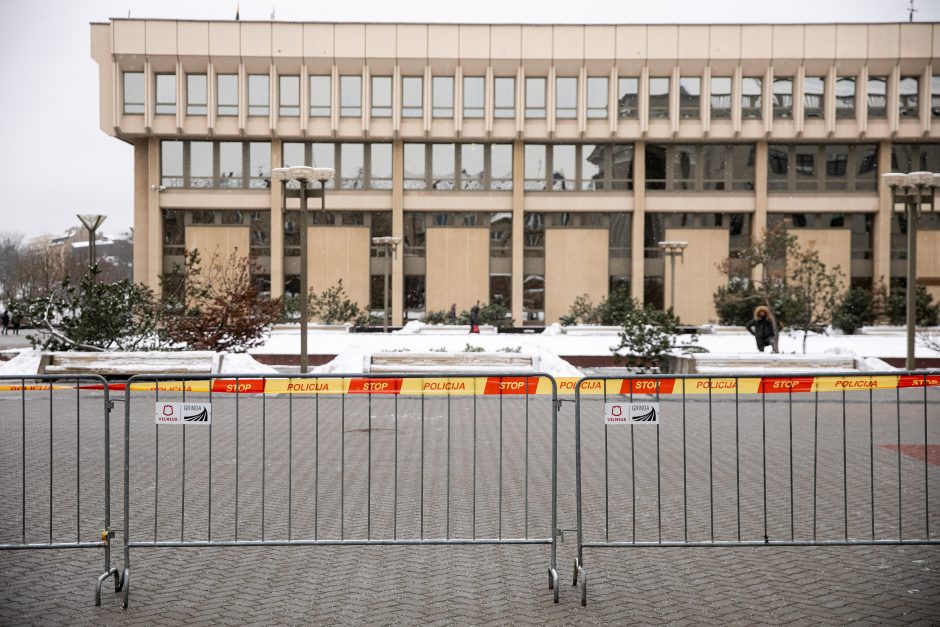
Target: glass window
x,y
778,167
878,97
259,94
474,92
720,97
166,93
805,165
293,154
415,172
837,171
200,164
501,166
751,97
320,96
289,96
412,96
230,164
504,97
935,96
655,167
684,167
628,101
534,167
380,166
621,166
133,92
350,96
442,166
259,165
907,97
381,96
783,97
594,166
472,167
197,93
442,96
742,167
597,97
566,97
845,97
227,94
659,97
690,90
866,167
814,96
323,156
564,176
171,163
352,169
535,97
713,166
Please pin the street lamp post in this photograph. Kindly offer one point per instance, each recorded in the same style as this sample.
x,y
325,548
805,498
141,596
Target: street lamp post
x,y
303,174
914,190
388,244
91,222
672,249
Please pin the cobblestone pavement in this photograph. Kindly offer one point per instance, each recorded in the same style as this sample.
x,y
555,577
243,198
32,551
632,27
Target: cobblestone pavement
x,y
291,485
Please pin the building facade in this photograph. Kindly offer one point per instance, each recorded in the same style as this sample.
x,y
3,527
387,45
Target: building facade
x,y
523,163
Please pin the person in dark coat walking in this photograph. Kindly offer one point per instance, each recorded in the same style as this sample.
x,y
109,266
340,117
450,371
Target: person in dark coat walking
x,y
5,320
452,314
762,328
475,318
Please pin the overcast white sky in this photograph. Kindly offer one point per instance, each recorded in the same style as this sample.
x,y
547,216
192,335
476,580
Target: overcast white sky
x,y
56,162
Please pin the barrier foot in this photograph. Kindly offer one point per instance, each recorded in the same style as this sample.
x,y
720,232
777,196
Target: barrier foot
x,y
553,583
126,586
583,576
574,577
101,579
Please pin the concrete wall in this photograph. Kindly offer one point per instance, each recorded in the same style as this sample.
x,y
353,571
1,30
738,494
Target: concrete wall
x,y
575,264
339,252
697,278
457,268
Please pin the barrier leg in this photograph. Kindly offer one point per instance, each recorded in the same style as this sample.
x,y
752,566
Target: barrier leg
x,y
126,586
553,583
577,567
583,577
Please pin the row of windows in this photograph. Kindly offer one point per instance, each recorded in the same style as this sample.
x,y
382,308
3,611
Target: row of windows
x,y
555,167
535,107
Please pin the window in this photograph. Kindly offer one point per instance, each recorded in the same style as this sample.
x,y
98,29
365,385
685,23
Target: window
x,y
259,165
501,166
621,166
585,167
197,92
166,93
219,164
504,97
442,97
324,156
201,167
351,166
289,96
701,167
908,89
659,97
415,173
133,92
472,167
783,97
380,166
320,96
474,92
690,90
534,167
596,97
535,97
935,96
171,164
845,97
350,96
412,96
381,96
566,98
443,171
259,90
564,175
720,97
822,168
751,97
628,101
230,165
227,94
814,96
878,97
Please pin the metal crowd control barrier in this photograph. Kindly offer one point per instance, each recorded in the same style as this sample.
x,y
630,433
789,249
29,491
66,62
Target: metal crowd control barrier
x,y
393,459
56,465
796,460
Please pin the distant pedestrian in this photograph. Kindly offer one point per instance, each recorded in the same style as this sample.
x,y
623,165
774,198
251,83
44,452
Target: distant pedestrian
x,y
5,321
16,323
762,328
475,318
452,314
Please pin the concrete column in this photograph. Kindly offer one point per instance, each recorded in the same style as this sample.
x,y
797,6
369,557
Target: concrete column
x,y
277,225
881,245
154,219
397,288
518,230
759,218
141,224
637,266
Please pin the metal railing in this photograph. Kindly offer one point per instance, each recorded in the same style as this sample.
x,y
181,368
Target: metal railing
x,y
56,465
391,459
719,461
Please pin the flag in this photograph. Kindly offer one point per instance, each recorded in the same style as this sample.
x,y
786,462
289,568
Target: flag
x,y
237,10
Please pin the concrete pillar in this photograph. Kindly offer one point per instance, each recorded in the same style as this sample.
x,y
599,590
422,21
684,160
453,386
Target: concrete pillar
x,y
154,217
518,230
759,219
637,267
141,224
277,225
397,288
881,244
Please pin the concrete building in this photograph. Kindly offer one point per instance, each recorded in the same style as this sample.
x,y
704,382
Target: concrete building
x,y
529,163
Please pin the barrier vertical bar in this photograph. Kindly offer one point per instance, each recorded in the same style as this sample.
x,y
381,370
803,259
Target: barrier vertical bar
x,y
632,467
290,462
342,468
790,457
711,463
474,463
23,455
422,467
183,482
659,480
316,465
50,463
395,479
500,501
78,460
209,502
369,472
579,562
926,468
448,467
763,450
156,466
871,456
897,404
845,472
237,425
527,456
737,451
264,464
815,457
685,475
553,565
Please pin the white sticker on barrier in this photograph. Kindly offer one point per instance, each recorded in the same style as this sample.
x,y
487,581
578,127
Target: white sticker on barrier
x,y
631,413
183,413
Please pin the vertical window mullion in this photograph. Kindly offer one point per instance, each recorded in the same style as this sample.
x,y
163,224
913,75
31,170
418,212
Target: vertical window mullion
x,y
670,158
216,153
577,167
366,165
458,161
428,157
728,168
186,163
246,165
487,166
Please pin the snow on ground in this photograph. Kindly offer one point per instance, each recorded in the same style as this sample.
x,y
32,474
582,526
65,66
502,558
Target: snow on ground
x,y
243,363
27,362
